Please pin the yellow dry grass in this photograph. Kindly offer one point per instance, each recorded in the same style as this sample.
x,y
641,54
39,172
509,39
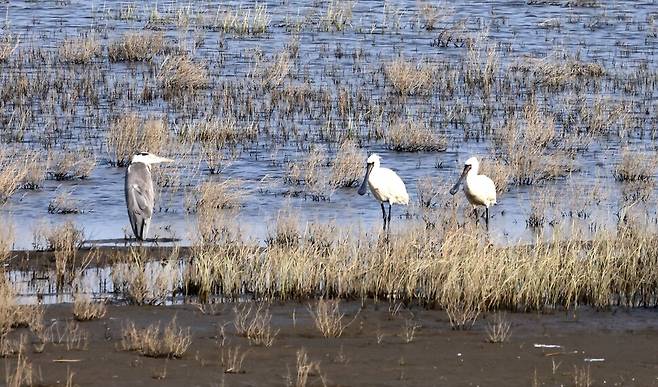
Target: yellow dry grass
x,y
129,133
136,47
408,78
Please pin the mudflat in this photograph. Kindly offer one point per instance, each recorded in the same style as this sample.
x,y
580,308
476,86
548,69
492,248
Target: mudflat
x,y
382,344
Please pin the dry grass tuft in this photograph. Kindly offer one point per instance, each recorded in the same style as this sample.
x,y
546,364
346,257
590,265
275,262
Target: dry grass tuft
x,y
129,134
172,343
414,136
64,240
499,330
408,78
145,283
310,172
8,45
242,21
257,327
7,236
64,204
84,309
179,74
635,167
136,47
527,148
347,167
338,15
71,165
557,70
231,360
214,195
80,50
275,74
22,375
328,318
305,369
18,169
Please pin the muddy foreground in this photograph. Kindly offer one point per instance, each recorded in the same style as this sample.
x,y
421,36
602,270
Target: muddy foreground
x,y
373,350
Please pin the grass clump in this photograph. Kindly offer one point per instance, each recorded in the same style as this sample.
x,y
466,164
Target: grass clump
x,y
310,173
527,147
64,240
136,47
8,45
347,167
172,343
71,165
558,70
414,136
408,78
241,21
85,310
635,167
256,327
18,169
80,50
328,318
7,235
179,74
64,204
129,134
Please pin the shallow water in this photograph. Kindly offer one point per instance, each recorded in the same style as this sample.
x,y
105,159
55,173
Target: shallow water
x,y
616,35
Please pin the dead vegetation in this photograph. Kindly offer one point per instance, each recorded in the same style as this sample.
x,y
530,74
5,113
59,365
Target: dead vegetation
x,y
80,50
347,167
414,136
255,326
84,309
172,343
408,78
635,167
137,47
71,165
179,74
130,133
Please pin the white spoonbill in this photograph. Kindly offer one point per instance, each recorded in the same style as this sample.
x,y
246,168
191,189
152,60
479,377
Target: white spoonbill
x,y
480,190
385,185
140,196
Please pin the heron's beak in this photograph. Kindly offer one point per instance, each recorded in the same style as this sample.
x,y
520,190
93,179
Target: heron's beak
x,y
455,188
364,185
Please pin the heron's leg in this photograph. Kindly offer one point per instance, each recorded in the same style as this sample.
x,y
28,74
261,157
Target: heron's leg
x,y
383,214
486,211
475,212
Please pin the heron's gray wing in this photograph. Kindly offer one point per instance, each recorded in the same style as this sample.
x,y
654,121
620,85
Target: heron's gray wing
x,y
140,198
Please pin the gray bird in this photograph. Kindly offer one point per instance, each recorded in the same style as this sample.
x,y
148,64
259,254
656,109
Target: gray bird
x,y
140,196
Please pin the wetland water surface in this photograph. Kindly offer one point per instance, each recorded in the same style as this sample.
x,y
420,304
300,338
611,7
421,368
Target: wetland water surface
x,y
335,88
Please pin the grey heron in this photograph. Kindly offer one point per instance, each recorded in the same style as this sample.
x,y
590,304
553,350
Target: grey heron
x,y
385,185
480,190
140,196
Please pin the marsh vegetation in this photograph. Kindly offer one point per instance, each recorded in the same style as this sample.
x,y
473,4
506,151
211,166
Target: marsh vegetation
x,y
269,111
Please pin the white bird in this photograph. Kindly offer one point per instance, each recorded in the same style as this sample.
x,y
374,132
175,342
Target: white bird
x,y
385,185
480,190
140,196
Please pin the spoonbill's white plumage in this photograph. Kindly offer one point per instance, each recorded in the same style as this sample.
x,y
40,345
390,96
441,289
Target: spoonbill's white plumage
x,y
385,185
140,195
480,190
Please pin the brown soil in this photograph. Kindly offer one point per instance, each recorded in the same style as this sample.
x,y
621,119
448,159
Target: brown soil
x,y
626,340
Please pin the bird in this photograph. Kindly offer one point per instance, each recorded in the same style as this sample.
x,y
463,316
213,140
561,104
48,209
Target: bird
x,y
140,196
480,190
385,185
